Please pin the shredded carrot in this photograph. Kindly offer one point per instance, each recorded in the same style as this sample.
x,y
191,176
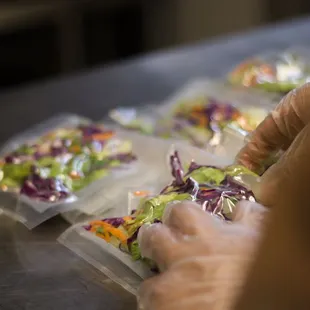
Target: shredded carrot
x,y
203,121
127,218
107,236
108,228
266,69
141,193
74,175
198,108
250,79
203,188
97,223
93,229
75,149
236,115
4,188
101,236
103,136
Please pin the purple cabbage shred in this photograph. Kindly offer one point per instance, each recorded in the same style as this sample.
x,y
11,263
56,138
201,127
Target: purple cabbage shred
x,y
44,189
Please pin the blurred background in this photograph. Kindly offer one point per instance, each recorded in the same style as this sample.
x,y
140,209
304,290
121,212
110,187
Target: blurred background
x,y
47,38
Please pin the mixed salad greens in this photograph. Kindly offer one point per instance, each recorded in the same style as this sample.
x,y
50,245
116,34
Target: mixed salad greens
x,y
200,121
216,190
63,161
280,72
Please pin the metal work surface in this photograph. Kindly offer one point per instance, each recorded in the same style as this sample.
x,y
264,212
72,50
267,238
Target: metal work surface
x,y
36,272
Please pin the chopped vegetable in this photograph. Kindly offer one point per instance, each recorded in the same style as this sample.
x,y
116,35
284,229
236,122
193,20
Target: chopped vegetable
x,y
216,190
63,161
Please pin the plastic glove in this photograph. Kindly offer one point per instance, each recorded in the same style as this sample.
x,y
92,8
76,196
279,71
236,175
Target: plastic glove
x,y
280,275
203,260
278,130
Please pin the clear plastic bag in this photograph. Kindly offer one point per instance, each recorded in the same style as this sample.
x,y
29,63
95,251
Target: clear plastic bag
x,y
200,111
34,211
143,119
152,174
149,169
274,71
116,262
102,207
233,139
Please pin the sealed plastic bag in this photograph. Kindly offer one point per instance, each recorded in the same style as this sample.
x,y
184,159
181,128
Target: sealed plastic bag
x,y
274,71
216,189
142,120
200,112
103,207
59,163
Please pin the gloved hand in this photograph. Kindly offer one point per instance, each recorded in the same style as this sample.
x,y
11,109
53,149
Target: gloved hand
x,y
203,260
280,275
278,130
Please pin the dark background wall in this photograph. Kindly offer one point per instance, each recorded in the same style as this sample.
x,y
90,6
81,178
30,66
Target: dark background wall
x,y
47,38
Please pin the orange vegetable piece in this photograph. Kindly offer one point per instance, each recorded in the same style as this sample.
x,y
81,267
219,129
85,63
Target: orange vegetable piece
x,y
103,136
4,188
127,218
107,236
141,193
75,148
202,119
109,229
198,108
74,175
267,69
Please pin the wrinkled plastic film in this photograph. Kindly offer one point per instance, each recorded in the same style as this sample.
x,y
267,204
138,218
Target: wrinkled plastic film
x,y
143,119
99,206
38,130
137,195
189,153
233,139
110,261
222,204
24,213
150,168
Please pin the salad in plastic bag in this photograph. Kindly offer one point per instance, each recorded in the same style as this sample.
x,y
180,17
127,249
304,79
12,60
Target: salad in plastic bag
x,y
203,119
63,161
217,190
199,120
276,72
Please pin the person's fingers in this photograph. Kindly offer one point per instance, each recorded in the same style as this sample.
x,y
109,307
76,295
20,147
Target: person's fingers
x,y
158,243
146,292
200,275
263,141
189,219
250,214
286,183
202,280
278,130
